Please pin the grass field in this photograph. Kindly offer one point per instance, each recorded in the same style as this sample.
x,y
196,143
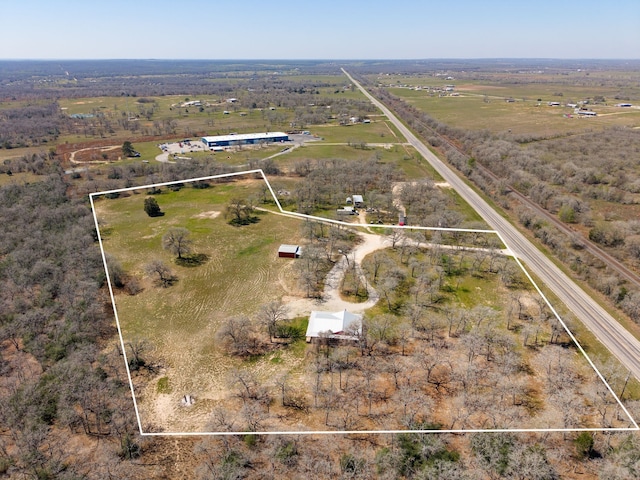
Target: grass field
x,y
471,110
242,272
532,85
378,131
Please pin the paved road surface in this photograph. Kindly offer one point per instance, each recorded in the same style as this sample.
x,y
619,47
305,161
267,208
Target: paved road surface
x,y
620,342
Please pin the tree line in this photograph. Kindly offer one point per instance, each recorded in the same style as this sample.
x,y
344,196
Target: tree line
x,y
32,125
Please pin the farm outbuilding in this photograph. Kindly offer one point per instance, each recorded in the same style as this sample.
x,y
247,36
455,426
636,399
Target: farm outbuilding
x,y
341,325
289,251
585,113
348,210
244,139
358,201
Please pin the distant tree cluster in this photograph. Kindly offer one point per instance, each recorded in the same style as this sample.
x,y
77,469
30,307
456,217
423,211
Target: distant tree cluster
x,y
31,125
328,183
37,163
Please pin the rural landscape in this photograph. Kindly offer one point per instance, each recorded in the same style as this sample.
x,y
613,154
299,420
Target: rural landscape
x,y
182,238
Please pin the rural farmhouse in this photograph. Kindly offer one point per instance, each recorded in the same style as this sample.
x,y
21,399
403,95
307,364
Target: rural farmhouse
x,y
341,325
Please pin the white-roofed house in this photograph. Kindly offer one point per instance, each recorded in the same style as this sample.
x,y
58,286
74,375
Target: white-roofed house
x,y
340,325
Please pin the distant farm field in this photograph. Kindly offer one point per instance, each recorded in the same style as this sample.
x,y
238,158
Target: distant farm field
x,y
476,111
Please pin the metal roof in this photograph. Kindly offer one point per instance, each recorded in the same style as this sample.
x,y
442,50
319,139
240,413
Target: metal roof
x,y
333,322
245,136
288,248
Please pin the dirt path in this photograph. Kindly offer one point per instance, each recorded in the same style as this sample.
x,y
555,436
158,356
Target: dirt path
x,y
331,300
72,157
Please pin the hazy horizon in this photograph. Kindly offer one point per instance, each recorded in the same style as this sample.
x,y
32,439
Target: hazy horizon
x,y
267,60
247,29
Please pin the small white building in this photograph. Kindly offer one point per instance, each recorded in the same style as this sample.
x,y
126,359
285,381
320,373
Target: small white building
x,y
585,113
347,211
341,325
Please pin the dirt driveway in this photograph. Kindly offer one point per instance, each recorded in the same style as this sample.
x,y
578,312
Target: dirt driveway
x,y
331,300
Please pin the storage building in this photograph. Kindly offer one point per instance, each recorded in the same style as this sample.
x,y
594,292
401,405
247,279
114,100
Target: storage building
x,y
289,251
244,139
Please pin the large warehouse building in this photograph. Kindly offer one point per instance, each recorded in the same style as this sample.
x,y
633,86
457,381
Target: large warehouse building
x,y
244,139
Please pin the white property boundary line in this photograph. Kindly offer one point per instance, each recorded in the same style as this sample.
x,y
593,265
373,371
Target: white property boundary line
x,y
635,426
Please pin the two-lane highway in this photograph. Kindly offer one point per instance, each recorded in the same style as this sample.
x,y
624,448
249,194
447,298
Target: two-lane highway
x,y
608,331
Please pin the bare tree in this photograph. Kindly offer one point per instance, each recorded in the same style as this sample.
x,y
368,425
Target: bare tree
x,y
240,211
395,235
166,277
137,348
374,263
177,241
254,416
249,387
311,269
238,336
270,315
389,284
379,329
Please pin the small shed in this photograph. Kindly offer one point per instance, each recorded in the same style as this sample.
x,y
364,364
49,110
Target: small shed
x,y
347,211
358,201
289,251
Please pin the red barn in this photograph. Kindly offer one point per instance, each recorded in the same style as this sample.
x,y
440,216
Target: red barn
x,y
289,251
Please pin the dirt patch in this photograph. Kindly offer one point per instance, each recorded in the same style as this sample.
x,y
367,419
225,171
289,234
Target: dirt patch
x,y
210,215
25,366
164,406
475,88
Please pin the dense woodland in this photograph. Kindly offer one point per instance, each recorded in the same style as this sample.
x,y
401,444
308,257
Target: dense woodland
x,y
65,404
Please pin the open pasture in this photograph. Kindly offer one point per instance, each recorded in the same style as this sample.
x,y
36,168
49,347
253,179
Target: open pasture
x,y
241,273
475,111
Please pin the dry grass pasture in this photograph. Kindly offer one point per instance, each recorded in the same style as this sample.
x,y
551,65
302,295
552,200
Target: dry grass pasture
x,y
242,272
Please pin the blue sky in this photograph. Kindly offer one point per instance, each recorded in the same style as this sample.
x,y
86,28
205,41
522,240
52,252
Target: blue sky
x,y
327,29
